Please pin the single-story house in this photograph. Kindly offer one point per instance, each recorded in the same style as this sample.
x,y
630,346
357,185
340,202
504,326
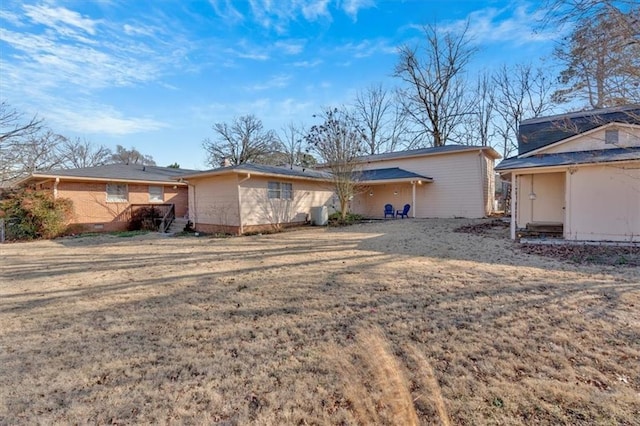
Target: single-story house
x,y
448,181
249,198
104,196
579,172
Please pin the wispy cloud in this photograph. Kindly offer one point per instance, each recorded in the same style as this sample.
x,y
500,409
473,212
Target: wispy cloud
x,y
102,120
290,47
276,82
307,64
515,24
59,17
352,7
226,10
52,54
367,48
278,14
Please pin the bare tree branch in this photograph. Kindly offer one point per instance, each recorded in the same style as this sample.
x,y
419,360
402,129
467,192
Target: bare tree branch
x,y
434,97
242,141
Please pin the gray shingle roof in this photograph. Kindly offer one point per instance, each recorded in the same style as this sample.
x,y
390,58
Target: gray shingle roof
x,y
268,170
570,158
538,132
130,172
393,173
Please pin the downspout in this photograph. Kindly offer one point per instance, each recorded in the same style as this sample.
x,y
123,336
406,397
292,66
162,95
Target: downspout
x,y
55,188
240,201
193,210
514,205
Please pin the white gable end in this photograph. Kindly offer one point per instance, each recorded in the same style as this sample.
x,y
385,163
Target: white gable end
x,y
609,136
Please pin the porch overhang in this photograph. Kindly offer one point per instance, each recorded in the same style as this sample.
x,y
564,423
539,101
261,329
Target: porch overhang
x,y
390,175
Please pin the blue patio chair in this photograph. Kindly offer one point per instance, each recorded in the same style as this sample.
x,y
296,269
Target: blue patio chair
x,y
404,212
388,210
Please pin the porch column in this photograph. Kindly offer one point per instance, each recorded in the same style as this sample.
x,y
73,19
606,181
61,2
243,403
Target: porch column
x,y
514,205
413,195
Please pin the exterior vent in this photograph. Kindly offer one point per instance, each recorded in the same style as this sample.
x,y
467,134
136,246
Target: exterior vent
x,y
611,136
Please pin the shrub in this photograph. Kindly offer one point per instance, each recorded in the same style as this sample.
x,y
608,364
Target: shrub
x,y
145,219
335,219
32,214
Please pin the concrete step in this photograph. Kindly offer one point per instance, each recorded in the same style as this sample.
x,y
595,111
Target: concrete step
x,y
177,225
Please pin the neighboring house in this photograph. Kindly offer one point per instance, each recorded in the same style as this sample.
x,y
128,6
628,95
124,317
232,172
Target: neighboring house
x,y
252,198
579,172
103,196
448,181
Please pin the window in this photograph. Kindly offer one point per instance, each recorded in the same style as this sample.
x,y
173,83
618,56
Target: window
x,y
117,193
156,194
280,190
611,136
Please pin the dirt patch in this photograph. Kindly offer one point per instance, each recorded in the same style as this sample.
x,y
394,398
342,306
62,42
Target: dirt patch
x,y
397,319
579,254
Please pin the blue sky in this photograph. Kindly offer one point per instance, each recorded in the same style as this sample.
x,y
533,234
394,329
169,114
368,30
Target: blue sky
x,y
156,74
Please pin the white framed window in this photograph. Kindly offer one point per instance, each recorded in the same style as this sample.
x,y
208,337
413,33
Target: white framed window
x,y
156,194
117,193
281,190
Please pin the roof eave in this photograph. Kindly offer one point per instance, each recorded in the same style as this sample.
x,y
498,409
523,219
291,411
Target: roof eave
x,y
398,180
99,179
214,173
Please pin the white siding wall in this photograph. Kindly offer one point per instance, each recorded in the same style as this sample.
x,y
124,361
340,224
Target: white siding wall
x,y
457,189
604,203
258,209
214,200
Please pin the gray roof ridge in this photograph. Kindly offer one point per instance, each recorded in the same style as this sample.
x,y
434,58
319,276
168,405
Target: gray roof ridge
x,y
579,114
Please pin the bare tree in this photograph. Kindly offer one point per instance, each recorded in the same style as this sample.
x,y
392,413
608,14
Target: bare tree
x,y
559,13
521,92
14,128
131,156
291,141
26,146
477,127
372,108
37,153
434,98
242,141
339,141
601,55
79,153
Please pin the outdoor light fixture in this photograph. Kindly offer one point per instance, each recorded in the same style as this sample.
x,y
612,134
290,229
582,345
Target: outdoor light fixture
x,y
395,192
370,193
532,195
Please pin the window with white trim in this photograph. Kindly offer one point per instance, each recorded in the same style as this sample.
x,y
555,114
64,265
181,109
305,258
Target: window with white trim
x,y
117,192
156,194
281,190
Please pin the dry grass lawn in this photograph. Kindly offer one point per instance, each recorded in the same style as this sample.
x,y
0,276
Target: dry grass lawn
x,y
397,322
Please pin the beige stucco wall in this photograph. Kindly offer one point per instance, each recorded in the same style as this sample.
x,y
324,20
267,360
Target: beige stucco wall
x,y
603,203
258,209
627,137
549,203
214,200
462,186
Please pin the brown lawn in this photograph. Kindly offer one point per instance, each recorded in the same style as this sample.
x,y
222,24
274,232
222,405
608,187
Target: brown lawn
x,y
391,322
